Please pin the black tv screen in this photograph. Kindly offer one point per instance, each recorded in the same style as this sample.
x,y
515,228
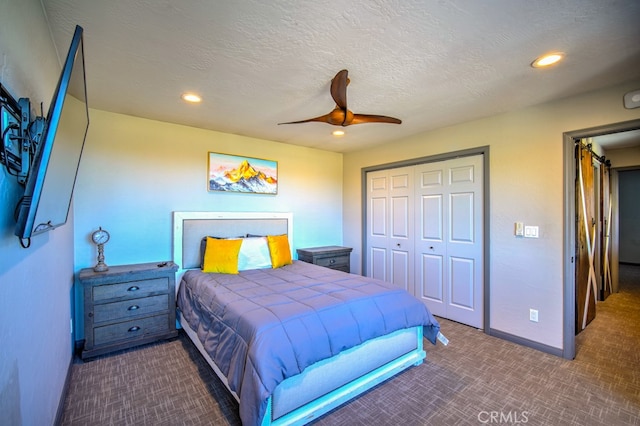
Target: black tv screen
x,y
49,186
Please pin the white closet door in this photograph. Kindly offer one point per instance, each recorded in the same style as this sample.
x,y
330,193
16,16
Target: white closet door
x,y
390,226
377,225
449,238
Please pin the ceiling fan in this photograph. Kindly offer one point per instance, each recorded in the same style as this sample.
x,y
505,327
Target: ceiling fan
x,y
341,116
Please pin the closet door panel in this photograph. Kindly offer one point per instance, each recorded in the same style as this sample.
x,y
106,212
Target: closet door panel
x,y
399,217
431,218
390,226
462,218
451,229
462,283
400,269
432,278
378,215
377,226
378,263
401,204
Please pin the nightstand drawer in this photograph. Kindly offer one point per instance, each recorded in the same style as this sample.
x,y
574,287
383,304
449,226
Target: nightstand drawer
x,y
130,308
333,261
131,329
334,257
130,289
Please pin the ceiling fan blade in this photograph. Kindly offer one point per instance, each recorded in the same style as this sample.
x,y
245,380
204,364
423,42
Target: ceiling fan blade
x,y
339,89
367,118
341,116
321,119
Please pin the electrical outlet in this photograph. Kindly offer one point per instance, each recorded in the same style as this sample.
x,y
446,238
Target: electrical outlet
x,y
533,315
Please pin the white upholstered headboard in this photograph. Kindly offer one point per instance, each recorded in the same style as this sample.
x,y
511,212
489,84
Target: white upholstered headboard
x,y
190,227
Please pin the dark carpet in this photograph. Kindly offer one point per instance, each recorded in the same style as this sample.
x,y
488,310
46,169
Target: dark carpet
x,y
476,380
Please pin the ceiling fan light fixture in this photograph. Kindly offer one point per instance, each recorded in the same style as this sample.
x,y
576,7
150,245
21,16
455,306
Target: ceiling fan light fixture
x,y
547,60
191,98
338,133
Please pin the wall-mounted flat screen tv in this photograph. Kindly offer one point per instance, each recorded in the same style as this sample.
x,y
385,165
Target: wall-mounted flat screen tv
x,y
49,186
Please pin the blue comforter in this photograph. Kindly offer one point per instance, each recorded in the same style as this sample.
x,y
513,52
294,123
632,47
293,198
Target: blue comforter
x,y
263,326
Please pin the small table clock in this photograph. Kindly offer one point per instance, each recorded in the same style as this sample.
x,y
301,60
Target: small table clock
x,y
100,238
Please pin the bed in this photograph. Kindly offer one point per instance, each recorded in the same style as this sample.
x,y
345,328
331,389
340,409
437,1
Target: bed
x,y
293,342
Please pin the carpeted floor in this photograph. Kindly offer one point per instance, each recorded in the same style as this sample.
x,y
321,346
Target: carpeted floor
x,y
476,380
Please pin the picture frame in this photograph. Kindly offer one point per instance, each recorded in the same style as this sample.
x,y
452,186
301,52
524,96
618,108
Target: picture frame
x,y
236,173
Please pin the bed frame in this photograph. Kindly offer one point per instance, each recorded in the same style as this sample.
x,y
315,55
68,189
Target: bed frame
x,y
325,384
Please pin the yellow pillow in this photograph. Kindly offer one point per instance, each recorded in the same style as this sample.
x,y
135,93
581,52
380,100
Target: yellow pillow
x,y
221,256
279,250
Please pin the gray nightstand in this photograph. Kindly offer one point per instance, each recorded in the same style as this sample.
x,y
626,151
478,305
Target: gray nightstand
x,y
128,305
334,257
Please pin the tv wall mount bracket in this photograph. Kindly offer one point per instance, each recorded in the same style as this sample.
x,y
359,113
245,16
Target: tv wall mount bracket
x,y
20,135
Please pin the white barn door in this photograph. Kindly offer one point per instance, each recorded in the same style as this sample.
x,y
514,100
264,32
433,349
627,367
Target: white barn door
x,y
449,239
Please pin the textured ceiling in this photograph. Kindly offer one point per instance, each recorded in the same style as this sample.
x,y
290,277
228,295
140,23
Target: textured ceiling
x,y
257,63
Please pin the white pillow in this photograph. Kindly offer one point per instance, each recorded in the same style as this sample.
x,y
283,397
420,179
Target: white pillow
x,y
254,254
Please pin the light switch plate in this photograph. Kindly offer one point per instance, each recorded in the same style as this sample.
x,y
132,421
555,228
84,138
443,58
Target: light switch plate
x,y
519,229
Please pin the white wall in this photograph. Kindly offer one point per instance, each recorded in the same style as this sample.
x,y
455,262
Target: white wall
x,y
135,172
624,157
526,185
35,283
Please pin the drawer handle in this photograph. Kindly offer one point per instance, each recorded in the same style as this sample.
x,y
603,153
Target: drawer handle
x,y
133,307
134,328
332,261
133,288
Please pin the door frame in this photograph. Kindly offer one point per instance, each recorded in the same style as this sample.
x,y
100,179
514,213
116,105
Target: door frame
x,y
484,151
569,138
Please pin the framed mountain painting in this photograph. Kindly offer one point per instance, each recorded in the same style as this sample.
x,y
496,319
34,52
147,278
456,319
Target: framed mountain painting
x,y
233,173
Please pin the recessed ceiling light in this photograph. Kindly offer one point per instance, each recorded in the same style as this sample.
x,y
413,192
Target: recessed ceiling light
x,y
191,97
338,133
547,60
